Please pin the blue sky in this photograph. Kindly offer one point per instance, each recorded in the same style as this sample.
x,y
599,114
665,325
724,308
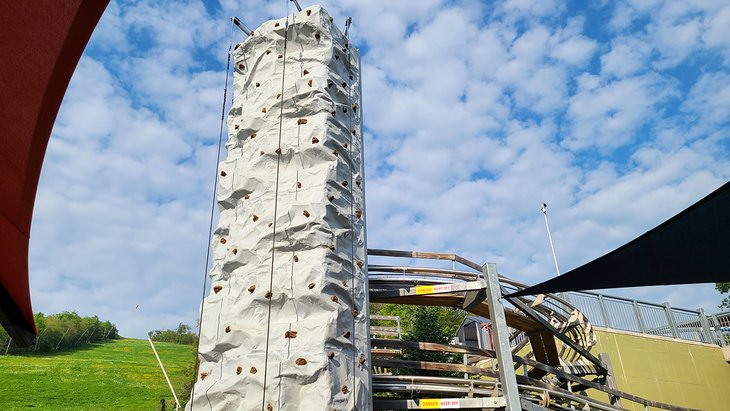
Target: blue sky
x,y
614,113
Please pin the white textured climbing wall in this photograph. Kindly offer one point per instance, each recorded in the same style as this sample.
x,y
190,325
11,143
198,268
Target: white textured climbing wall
x,y
285,326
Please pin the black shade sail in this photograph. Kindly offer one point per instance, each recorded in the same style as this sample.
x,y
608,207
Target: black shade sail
x,y
691,247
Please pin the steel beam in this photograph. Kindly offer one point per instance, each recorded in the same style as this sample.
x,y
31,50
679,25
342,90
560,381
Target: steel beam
x,y
501,336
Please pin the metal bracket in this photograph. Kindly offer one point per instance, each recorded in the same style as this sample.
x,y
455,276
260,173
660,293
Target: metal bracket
x,y
473,298
562,337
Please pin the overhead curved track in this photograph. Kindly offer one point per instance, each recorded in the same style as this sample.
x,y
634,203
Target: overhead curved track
x,y
42,41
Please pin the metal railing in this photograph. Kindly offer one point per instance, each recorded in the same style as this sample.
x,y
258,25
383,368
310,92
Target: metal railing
x,y
650,318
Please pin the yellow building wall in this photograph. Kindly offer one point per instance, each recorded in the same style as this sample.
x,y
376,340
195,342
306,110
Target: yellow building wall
x,y
677,372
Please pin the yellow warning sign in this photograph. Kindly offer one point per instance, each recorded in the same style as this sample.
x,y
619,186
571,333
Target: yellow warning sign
x,y
439,403
424,289
432,403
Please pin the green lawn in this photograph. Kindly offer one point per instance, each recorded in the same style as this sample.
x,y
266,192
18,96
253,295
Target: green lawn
x,y
119,375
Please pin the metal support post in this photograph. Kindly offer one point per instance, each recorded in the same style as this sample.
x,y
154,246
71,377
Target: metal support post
x,y
501,333
707,333
610,380
670,320
604,312
639,319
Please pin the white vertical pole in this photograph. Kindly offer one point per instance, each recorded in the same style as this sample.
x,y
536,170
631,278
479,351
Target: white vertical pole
x,y
550,237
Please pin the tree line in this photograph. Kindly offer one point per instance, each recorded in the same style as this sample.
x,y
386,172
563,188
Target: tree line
x,y
62,331
183,334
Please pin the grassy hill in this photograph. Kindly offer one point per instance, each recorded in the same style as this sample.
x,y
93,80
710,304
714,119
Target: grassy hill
x,y
122,375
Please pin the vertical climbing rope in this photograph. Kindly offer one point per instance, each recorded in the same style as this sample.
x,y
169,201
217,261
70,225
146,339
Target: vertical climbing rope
x,y
352,208
212,209
276,204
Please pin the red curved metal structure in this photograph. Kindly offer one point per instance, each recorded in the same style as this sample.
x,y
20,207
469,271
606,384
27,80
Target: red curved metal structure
x,y
41,44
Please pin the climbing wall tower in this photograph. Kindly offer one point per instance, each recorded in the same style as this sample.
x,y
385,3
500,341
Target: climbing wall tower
x,y
285,326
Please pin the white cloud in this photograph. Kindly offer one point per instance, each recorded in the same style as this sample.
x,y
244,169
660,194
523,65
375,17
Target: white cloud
x,y
610,114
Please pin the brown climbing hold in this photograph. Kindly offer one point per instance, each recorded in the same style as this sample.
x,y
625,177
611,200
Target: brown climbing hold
x,y
332,246
300,361
278,96
234,251
344,283
335,153
317,36
333,112
354,132
344,85
357,183
306,213
306,72
270,224
258,84
252,370
354,107
269,407
344,184
360,263
253,135
203,375
337,57
346,334
246,197
334,299
302,121
223,173
223,241
239,370
315,140
355,313
281,55
268,51
278,150
344,109
331,355
241,66
344,145
217,289
268,294
310,286
290,334
362,359
309,12
296,259
299,184
276,24
261,153
358,213
236,127
228,328
309,83
263,110
255,218
330,198
237,46
344,389
331,19
351,78
251,288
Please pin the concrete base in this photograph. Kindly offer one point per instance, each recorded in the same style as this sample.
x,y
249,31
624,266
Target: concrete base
x,y
726,353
